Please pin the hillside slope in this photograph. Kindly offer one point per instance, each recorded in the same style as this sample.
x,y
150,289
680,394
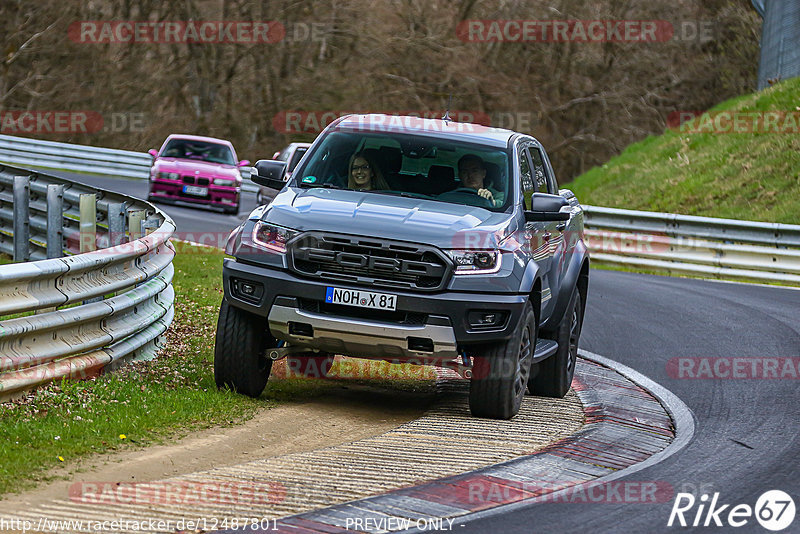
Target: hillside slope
x,y
750,176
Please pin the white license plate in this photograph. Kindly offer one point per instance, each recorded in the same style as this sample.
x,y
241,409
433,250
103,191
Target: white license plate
x,y
194,190
361,299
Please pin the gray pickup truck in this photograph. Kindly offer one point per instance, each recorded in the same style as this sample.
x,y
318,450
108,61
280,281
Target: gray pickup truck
x,y
410,240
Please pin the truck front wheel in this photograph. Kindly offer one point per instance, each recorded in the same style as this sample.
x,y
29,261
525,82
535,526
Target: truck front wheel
x,y
240,360
499,377
555,373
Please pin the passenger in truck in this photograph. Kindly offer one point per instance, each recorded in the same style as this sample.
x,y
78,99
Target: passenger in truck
x,y
364,175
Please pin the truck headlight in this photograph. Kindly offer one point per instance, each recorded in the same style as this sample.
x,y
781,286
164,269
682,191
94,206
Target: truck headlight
x,y
270,237
475,261
169,175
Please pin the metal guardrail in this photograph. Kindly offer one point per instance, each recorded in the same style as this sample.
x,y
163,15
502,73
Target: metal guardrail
x,y
84,158
112,281
78,158
704,246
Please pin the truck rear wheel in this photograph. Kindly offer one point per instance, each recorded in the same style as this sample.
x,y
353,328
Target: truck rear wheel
x,y
240,360
499,378
555,373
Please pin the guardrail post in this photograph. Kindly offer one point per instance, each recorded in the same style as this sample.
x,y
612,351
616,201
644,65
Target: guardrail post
x,y
150,225
22,218
88,229
116,224
88,223
55,220
135,219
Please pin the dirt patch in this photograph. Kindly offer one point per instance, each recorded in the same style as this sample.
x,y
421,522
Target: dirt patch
x,y
343,414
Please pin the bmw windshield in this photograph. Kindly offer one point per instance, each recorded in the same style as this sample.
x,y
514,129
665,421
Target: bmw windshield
x,y
198,150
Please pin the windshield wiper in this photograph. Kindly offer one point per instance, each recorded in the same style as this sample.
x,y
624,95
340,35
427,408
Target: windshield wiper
x,y
325,185
403,194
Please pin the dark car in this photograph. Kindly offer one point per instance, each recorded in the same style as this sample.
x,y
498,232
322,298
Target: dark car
x,y
292,155
424,270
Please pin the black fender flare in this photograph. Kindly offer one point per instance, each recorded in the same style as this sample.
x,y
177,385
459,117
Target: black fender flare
x,y
530,283
578,264
530,275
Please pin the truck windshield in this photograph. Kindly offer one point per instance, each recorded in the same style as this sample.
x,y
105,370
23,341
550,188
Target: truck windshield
x,y
407,165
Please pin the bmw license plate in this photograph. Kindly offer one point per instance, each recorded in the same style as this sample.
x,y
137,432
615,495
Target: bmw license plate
x,y
194,190
361,299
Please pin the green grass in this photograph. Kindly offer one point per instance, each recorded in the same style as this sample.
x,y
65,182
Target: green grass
x,y
171,396
145,402
749,176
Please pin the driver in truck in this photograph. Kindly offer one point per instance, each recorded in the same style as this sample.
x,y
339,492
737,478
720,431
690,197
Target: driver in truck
x,y
472,172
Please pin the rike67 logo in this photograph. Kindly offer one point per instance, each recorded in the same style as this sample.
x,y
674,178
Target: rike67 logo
x,y
774,510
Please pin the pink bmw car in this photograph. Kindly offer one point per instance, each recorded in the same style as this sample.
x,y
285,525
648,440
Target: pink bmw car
x,y
200,170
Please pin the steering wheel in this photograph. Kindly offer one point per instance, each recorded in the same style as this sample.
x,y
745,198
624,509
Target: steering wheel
x,y
467,195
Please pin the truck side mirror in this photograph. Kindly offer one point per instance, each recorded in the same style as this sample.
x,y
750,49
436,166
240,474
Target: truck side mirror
x,y
269,173
545,207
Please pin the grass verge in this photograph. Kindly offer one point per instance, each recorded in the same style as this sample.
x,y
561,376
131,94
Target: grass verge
x,y
171,396
750,176
142,404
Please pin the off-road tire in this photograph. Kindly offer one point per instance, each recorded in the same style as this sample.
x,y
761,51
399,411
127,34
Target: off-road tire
x,y
554,377
240,361
500,374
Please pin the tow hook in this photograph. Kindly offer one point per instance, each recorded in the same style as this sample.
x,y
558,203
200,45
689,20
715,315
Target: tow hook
x,y
465,369
279,353
462,368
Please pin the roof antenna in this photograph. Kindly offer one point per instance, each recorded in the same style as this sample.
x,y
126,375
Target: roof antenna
x,y
447,113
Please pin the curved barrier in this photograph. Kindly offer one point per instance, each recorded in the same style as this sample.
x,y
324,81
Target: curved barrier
x,y
115,301
685,244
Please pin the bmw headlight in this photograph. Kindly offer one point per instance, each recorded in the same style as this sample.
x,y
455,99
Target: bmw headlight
x,y
169,175
475,261
271,237
225,182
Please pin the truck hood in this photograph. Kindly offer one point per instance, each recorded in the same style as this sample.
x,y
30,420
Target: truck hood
x,y
431,222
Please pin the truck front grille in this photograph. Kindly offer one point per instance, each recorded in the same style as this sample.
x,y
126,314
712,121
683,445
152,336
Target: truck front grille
x,y
372,262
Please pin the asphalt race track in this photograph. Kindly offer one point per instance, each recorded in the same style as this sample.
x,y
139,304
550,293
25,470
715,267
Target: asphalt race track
x,y
747,438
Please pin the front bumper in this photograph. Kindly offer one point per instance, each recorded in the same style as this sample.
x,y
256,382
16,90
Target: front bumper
x,y
217,195
432,326
362,338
